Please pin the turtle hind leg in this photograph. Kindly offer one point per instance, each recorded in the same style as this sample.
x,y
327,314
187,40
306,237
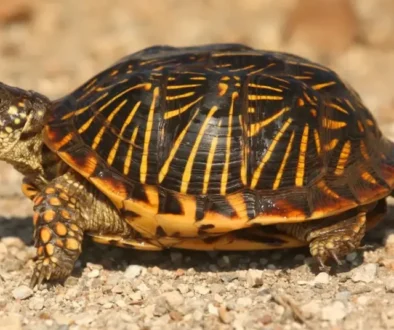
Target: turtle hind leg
x,y
330,238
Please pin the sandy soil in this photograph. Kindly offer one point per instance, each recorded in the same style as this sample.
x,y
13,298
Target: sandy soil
x,y
53,46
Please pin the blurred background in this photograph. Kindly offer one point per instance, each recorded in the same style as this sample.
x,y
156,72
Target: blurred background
x,y
52,46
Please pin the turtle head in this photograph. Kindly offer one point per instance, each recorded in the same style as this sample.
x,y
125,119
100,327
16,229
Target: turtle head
x,y
22,113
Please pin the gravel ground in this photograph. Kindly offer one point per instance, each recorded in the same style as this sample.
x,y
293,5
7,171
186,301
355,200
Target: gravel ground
x,y
52,46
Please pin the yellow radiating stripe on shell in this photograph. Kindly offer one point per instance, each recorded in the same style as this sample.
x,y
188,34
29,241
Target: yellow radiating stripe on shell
x,y
179,96
331,145
177,112
255,128
283,164
129,155
188,168
183,86
343,157
257,173
323,85
253,97
113,151
301,159
208,167
317,140
148,134
337,107
265,87
99,135
333,124
164,170
224,180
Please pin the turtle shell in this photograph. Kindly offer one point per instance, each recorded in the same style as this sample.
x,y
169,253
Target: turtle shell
x,y
205,140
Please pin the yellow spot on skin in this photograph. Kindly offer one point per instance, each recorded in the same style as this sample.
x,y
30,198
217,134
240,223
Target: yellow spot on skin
x,y
17,121
46,262
74,227
36,216
255,128
22,115
224,180
343,157
54,260
73,200
257,173
54,201
12,110
208,167
283,164
314,113
59,243
61,229
38,200
50,190
301,159
174,149
188,168
301,102
64,196
40,250
360,126
369,122
49,215
148,133
8,129
65,214
45,235
49,248
72,244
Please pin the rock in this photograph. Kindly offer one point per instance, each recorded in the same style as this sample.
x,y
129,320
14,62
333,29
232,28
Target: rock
x,y
36,303
352,256
173,298
133,271
334,312
244,302
389,284
183,288
254,277
343,296
11,322
311,308
203,290
224,315
365,273
322,278
94,273
213,309
22,292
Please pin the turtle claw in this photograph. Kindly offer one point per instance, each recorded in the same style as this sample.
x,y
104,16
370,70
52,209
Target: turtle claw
x,y
42,272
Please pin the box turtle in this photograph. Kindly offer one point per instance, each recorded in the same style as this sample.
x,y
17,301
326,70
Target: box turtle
x,y
213,147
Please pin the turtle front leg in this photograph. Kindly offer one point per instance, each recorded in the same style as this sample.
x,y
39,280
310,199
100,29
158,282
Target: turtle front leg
x,y
65,209
329,238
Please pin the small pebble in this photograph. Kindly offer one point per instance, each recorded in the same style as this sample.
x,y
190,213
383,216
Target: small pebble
x,y
365,273
254,277
36,303
334,312
322,278
173,298
244,302
22,292
224,315
351,256
203,290
389,284
11,322
213,309
94,273
133,271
